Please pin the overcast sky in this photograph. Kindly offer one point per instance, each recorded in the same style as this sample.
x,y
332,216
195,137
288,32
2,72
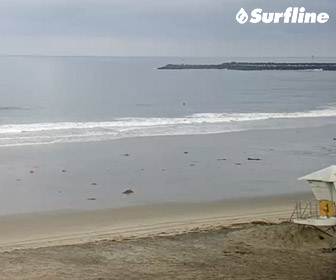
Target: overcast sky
x,y
160,28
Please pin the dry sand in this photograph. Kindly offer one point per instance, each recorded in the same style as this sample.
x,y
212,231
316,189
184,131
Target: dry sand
x,y
282,251
216,240
73,227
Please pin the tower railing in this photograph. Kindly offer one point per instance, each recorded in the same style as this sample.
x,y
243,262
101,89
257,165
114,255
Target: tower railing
x,y
305,210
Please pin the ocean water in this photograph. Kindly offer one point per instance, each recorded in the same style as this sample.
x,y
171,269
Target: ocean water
x,y
47,100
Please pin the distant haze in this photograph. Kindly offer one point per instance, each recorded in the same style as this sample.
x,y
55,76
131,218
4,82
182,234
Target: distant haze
x,y
159,28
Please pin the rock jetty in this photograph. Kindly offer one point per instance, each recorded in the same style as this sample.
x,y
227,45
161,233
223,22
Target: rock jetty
x,y
254,66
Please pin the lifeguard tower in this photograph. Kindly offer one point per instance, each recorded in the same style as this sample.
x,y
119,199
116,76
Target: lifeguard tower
x,y
320,213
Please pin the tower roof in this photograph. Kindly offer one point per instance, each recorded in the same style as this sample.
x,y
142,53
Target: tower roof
x,y
325,175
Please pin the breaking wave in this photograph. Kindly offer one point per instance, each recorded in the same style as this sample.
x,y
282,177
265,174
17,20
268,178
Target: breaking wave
x,y
204,123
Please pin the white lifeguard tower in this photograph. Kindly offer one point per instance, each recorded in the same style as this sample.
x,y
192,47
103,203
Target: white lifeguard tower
x,y
322,211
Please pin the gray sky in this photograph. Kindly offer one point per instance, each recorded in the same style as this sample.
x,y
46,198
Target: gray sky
x,y
160,28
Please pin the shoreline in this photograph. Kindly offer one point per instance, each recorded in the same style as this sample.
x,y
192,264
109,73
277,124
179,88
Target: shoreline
x,y
61,228
191,135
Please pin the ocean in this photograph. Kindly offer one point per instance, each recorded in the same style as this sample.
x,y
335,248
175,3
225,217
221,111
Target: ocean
x,y
45,100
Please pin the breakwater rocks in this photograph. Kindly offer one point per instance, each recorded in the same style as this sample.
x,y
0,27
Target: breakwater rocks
x,y
254,66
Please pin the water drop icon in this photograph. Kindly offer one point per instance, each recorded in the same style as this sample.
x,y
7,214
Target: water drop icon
x,y
242,16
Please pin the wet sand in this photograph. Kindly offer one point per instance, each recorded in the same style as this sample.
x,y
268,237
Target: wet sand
x,y
199,168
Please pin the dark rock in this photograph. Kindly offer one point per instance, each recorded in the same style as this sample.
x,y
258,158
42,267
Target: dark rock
x,y
92,198
253,159
31,171
126,155
128,192
94,184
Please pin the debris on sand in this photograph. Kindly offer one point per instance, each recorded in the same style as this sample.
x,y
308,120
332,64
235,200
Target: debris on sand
x,y
238,163
256,159
128,192
186,153
126,155
31,171
64,171
221,159
261,223
92,198
94,184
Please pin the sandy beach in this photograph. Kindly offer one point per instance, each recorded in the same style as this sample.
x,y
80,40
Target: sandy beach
x,y
167,242
73,227
205,207
244,252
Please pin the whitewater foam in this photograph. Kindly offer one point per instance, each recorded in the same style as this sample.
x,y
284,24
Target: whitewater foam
x,y
202,123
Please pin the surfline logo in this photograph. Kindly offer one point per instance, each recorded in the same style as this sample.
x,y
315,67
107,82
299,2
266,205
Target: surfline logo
x,y
291,15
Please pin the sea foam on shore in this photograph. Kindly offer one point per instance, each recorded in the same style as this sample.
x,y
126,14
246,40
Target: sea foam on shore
x,y
201,123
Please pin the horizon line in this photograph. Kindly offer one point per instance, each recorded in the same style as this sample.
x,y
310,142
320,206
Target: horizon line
x,y
169,56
